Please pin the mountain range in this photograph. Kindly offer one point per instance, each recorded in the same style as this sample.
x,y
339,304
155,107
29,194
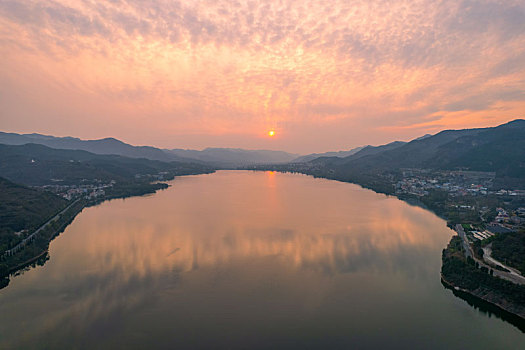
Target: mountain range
x,y
37,165
498,149
101,146
339,154
220,157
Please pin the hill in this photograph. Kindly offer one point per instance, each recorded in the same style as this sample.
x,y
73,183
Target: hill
x,y
38,165
371,150
31,217
102,146
339,154
499,149
222,157
23,208
20,205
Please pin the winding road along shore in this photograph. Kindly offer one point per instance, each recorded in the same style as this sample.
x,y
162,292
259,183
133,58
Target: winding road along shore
x,y
512,275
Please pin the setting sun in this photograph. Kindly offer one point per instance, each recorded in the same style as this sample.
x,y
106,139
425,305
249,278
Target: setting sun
x,y
271,133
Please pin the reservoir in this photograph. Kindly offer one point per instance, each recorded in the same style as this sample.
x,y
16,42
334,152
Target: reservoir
x,y
241,259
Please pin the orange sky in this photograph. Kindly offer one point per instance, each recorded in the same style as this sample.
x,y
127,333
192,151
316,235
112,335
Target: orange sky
x,y
324,75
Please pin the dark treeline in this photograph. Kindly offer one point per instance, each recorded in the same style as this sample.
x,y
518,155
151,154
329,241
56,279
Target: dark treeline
x,y
463,273
510,249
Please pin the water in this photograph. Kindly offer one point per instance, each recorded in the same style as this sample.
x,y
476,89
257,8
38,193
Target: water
x,y
243,259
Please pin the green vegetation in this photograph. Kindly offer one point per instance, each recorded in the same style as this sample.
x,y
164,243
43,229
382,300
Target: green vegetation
x,y
500,150
37,165
478,251
463,273
509,248
39,245
91,178
22,210
102,146
466,226
41,206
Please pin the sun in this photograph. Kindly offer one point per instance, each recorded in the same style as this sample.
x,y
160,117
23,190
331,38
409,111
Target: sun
x,y
271,133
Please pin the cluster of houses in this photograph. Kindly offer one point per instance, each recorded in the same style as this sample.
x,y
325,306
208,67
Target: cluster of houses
x,y
515,218
504,222
488,231
421,187
89,191
419,182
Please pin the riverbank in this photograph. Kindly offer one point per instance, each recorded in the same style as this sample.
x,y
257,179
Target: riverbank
x,y
484,305
481,284
463,275
37,244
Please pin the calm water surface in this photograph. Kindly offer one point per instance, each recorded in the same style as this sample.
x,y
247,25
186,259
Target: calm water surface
x,y
247,260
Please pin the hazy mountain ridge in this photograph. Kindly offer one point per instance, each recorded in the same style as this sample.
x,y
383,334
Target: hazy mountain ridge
x,y
365,151
101,146
235,156
35,165
499,149
338,154
370,150
112,146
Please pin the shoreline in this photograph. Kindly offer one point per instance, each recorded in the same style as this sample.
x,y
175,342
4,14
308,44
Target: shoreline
x,y
516,319
161,185
472,294
27,263
12,271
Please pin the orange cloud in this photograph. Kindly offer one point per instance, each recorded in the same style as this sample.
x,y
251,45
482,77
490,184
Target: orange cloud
x,y
169,70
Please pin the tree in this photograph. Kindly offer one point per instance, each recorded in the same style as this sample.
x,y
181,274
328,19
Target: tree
x,y
4,270
481,252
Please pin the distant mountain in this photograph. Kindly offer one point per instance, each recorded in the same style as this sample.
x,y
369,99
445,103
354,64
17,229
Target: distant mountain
x,y
340,154
223,157
36,165
370,150
499,149
353,153
365,151
102,146
423,137
231,157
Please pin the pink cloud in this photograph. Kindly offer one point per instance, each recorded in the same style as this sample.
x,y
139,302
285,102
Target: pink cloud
x,y
191,73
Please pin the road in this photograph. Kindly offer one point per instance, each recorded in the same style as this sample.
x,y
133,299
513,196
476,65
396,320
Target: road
x,y
29,238
487,256
512,276
466,245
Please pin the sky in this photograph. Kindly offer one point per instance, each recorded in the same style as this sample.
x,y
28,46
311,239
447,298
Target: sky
x,y
324,75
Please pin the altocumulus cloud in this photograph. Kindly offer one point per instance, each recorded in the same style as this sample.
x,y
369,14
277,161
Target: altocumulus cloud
x,y
228,68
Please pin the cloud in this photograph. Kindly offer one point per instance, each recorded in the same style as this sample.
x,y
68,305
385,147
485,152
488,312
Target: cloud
x,y
242,66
